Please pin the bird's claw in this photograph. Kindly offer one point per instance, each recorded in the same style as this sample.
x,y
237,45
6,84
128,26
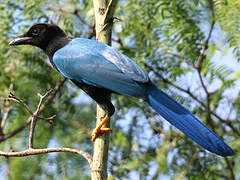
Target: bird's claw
x,y
97,132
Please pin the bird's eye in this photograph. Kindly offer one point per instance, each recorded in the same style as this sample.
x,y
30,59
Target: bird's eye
x,y
35,32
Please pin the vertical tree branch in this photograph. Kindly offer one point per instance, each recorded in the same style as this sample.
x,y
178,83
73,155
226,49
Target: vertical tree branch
x,y
4,119
32,130
35,117
103,11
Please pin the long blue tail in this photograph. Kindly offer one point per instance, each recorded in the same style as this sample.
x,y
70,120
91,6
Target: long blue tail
x,y
181,118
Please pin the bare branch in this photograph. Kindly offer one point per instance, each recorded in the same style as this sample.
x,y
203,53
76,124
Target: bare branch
x,y
11,97
208,108
35,117
33,120
205,47
32,130
5,116
4,119
42,98
51,96
199,62
15,131
49,119
29,152
198,67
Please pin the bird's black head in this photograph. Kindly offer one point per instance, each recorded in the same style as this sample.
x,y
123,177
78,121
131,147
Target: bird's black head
x,y
40,35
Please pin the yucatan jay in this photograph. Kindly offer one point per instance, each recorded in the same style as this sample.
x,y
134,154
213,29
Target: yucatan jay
x,y
100,70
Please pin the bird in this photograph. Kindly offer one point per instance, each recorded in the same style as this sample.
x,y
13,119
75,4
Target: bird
x,y
100,70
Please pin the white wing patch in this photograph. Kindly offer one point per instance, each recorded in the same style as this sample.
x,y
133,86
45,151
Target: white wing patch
x,y
125,64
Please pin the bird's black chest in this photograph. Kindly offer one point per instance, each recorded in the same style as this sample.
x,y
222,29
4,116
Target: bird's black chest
x,y
100,95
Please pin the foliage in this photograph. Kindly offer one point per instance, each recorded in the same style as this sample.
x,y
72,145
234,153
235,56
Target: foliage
x,y
166,38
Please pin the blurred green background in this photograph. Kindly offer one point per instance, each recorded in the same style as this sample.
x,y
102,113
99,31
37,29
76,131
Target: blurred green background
x,y
166,38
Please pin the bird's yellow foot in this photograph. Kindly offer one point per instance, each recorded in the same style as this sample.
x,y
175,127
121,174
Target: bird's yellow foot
x,y
99,130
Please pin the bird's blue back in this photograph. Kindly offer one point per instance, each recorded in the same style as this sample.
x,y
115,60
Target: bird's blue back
x,y
97,64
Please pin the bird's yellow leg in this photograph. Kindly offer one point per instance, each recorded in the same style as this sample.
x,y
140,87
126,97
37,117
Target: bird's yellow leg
x,y
99,130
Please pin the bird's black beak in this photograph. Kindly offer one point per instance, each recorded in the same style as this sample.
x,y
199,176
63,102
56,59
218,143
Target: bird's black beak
x,y
20,40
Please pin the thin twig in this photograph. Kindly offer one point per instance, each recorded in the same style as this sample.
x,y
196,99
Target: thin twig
x,y
49,119
42,97
43,106
5,116
205,47
33,120
208,108
199,63
4,119
31,132
35,117
198,67
29,152
52,95
11,97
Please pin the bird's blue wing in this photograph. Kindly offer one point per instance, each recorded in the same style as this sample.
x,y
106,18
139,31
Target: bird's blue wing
x,y
99,65
125,64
